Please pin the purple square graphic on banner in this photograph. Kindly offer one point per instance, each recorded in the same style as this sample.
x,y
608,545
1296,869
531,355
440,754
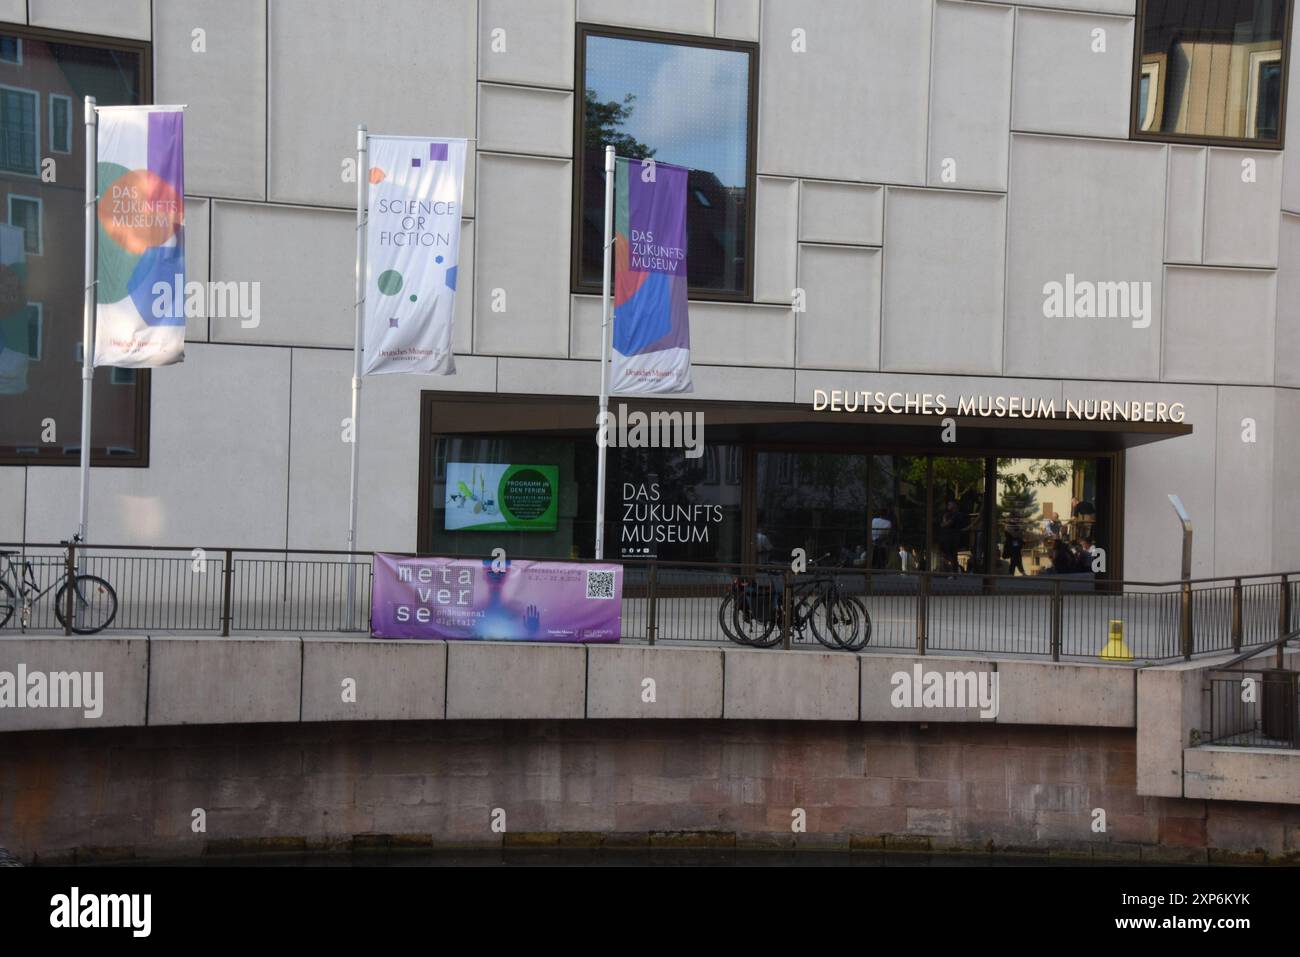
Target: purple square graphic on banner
x,y
415,161
437,151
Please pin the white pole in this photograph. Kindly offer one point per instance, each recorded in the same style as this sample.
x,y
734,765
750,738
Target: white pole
x,y
604,353
88,319
363,183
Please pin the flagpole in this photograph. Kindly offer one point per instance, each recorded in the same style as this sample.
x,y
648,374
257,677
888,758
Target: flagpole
x,y
604,353
363,182
88,319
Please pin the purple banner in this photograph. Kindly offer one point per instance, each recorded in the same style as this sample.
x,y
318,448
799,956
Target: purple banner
x,y
466,599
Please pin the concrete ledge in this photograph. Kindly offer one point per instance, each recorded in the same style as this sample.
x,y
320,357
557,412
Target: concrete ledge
x,y
507,679
1168,710
224,680
390,680
775,685
878,686
687,682
1080,695
106,676
1216,773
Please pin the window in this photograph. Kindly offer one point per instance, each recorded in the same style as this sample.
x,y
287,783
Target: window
x,y
677,100
1211,72
20,134
42,252
60,123
25,213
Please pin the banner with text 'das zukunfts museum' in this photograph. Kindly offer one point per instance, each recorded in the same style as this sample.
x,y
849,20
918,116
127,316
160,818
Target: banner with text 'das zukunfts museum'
x,y
412,253
140,263
652,333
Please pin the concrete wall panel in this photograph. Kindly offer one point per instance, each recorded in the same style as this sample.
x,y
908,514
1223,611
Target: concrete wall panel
x,y
943,281
840,328
1219,324
224,680
863,72
1287,334
523,227
884,678
679,16
491,679
517,119
1243,535
737,19
970,95
113,674
111,18
1039,692
224,87
1106,224
790,686
1185,204
391,680
776,229
687,682
314,111
1061,84
1243,196
535,45
844,213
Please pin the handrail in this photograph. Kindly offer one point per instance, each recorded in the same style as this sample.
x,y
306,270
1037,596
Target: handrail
x,y
1256,651
774,567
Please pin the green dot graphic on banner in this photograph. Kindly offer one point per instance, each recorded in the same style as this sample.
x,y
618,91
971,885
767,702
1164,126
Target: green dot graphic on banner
x,y
390,282
488,497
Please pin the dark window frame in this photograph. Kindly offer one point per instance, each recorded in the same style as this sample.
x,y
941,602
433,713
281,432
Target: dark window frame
x,y
584,30
1198,139
100,458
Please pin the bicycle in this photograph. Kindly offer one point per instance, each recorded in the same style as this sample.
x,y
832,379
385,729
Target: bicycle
x,y
94,600
751,610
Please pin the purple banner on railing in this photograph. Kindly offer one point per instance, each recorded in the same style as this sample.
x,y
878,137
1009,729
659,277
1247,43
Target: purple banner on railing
x,y
467,599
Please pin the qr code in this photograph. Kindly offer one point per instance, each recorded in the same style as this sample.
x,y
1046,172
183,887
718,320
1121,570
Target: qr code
x,y
600,584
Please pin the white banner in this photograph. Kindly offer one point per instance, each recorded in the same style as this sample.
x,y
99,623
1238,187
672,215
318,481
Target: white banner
x,y
140,266
412,251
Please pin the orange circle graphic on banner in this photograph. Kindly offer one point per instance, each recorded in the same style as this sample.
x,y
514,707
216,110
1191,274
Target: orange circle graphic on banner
x,y
139,210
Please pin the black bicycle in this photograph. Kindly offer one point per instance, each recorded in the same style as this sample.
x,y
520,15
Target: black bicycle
x,y
754,607
94,602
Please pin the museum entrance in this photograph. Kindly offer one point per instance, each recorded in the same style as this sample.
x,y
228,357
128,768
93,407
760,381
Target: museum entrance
x,y
888,492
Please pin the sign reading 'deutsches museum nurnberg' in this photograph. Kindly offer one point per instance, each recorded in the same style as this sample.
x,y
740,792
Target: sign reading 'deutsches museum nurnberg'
x,y
997,406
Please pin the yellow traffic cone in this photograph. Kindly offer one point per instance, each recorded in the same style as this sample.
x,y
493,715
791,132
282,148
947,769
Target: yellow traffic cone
x,y
1115,649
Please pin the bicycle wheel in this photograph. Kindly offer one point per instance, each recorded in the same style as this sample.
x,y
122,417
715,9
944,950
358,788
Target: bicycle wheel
x,y
7,603
725,611
835,621
94,605
758,631
863,637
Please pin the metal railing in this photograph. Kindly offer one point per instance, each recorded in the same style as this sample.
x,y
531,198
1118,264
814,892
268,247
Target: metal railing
x,y
1253,705
229,591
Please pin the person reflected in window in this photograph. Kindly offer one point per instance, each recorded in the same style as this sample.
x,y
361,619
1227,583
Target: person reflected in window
x,y
1083,514
1013,545
763,546
882,529
951,524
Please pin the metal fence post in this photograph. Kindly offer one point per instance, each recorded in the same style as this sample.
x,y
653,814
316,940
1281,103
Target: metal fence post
x,y
922,611
1185,621
787,600
1236,614
70,588
1057,611
228,573
1283,619
651,618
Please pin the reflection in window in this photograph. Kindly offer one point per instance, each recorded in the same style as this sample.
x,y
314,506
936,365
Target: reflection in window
x,y
41,249
1047,516
1211,69
681,103
815,501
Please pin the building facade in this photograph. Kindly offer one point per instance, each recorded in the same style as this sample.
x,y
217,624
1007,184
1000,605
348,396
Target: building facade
x,y
1073,224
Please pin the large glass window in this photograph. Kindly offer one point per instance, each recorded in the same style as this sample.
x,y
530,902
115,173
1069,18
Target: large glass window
x,y
816,501
674,100
44,79
1049,516
1210,71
